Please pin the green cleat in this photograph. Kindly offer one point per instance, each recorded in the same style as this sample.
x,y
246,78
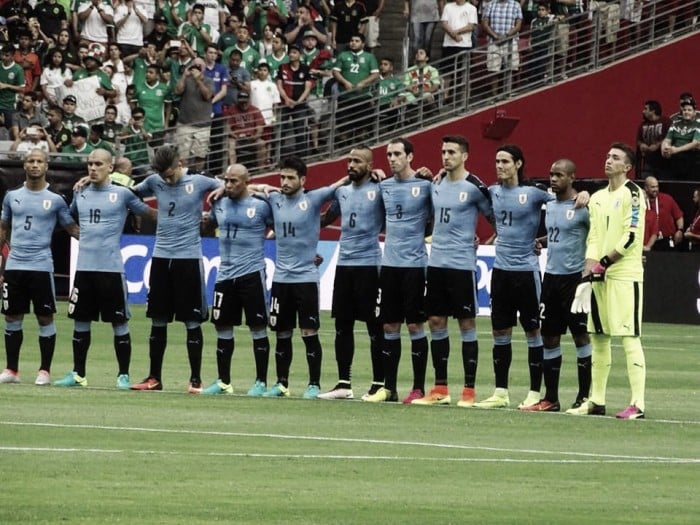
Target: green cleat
x,y
71,379
382,395
499,399
217,387
277,390
258,389
123,382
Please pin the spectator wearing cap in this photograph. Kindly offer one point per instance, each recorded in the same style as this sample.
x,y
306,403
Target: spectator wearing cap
x,y
93,62
96,138
11,83
96,16
52,17
111,128
17,14
129,20
4,34
70,118
60,135
28,115
78,149
159,36
246,125
135,139
303,24
681,147
195,31
25,57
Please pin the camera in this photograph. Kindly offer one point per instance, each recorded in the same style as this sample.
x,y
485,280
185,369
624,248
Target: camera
x,y
269,4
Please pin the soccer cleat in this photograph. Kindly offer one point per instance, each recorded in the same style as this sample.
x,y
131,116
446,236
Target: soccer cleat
x,y
533,398
258,389
382,395
587,408
579,401
123,382
468,398
499,399
340,391
195,386
311,392
9,376
373,389
438,395
150,383
277,390
543,406
43,378
71,379
217,387
631,412
412,396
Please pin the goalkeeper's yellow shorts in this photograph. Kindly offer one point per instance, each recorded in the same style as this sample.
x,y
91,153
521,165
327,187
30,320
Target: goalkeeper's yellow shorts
x,y
616,308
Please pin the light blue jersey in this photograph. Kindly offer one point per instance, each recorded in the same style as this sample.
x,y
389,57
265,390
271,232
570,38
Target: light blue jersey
x,y
32,217
517,213
456,205
179,213
242,224
362,217
407,208
101,213
567,229
297,226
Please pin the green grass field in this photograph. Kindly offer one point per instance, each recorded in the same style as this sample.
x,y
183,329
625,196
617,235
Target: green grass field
x,y
99,455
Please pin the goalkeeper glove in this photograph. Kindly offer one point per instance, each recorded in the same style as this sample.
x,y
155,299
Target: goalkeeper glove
x,y
582,298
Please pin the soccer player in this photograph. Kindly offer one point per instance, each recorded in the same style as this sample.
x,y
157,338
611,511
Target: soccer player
x,y
240,282
457,197
176,284
29,215
614,274
515,279
295,282
357,272
402,274
99,289
567,228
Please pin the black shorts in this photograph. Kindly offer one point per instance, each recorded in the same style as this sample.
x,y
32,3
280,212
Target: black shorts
x,y
555,312
355,290
402,295
21,287
451,293
514,292
176,289
291,299
232,296
98,294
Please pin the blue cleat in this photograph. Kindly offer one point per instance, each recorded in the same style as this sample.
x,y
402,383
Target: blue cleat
x,y
258,389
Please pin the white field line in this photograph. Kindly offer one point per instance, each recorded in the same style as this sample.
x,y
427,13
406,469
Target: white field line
x,y
574,454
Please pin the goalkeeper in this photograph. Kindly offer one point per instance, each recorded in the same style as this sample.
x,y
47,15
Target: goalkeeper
x,y
611,290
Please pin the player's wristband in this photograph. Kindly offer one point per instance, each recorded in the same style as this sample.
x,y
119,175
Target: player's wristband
x,y
606,261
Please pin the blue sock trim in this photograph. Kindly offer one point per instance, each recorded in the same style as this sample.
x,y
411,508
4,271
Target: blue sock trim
x,y
439,334
191,325
468,336
584,351
552,353
287,334
224,333
258,334
48,330
82,326
392,336
533,342
500,340
159,323
13,326
415,336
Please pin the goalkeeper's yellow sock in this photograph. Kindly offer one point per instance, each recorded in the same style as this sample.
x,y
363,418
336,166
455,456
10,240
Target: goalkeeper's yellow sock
x,y
636,369
601,359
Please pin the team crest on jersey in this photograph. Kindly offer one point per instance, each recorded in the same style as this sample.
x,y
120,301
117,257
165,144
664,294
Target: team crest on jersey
x,y
112,197
522,198
215,312
463,195
250,212
46,204
415,191
189,188
371,195
304,205
570,214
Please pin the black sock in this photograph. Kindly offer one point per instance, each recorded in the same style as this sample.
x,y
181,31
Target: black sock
x,y
283,360
156,350
584,376
314,357
551,369
81,344
47,344
224,354
392,356
470,360
535,356
195,344
502,356
376,343
13,343
122,348
344,348
261,352
440,351
419,359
